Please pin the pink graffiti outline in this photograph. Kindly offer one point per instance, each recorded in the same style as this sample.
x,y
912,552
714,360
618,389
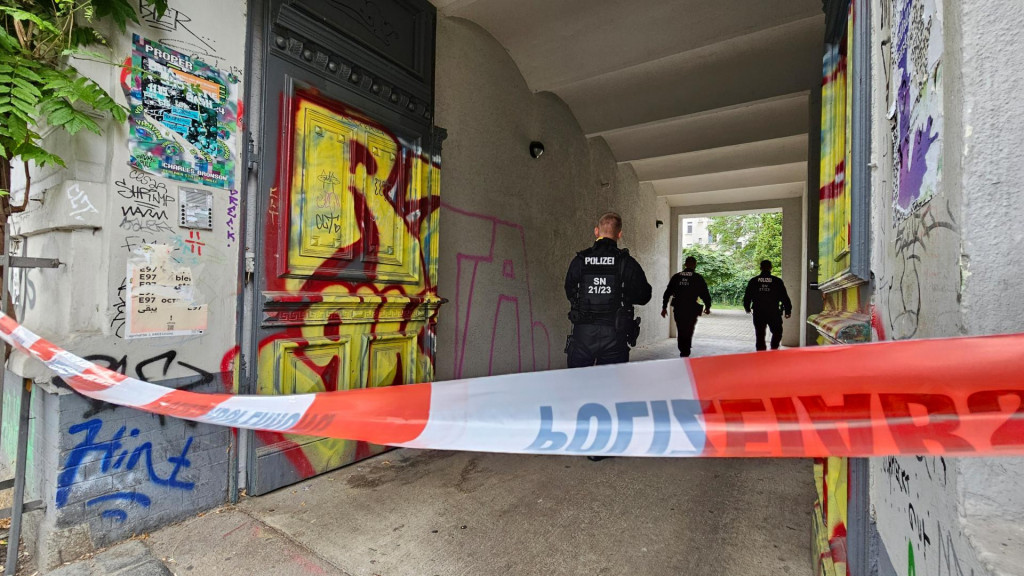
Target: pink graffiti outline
x,y
462,327
502,299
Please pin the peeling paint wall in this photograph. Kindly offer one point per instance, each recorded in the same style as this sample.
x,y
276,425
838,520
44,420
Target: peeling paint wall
x,y
946,206
510,224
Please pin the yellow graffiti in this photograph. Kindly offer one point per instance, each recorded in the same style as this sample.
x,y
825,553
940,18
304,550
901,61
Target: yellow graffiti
x,y
358,297
835,181
834,256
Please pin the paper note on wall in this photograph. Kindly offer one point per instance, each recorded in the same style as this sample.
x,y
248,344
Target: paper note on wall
x,y
161,296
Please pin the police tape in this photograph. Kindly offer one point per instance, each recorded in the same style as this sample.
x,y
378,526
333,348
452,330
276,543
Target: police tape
x,y
956,396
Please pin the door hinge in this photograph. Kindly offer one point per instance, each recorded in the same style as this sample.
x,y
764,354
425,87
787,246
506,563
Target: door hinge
x,y
254,164
250,266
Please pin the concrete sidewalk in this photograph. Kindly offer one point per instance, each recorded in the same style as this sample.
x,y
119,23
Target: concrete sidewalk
x,y
428,513
721,332
425,513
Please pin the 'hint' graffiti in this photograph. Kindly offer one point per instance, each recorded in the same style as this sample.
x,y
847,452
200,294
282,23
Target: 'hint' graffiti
x,y
117,455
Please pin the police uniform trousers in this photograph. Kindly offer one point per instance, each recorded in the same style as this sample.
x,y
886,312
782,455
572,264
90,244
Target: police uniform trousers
x,y
771,320
686,322
597,344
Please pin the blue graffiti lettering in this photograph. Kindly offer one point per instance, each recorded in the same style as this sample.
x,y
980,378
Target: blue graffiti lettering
x,y
120,515
116,456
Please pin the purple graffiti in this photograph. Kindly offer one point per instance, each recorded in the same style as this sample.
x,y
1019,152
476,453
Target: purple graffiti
x,y
232,215
913,155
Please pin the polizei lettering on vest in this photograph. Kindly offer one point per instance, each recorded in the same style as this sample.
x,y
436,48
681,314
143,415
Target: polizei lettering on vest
x,y
602,261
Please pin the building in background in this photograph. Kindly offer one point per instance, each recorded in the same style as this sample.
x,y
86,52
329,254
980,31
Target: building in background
x,y
695,231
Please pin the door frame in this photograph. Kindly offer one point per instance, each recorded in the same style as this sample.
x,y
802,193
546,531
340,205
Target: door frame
x,y
410,114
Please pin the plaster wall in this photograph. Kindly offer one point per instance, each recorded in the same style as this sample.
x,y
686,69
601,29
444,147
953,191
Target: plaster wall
x,y
792,251
510,224
943,268
105,474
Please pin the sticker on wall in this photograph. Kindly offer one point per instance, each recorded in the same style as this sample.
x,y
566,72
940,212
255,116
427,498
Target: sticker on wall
x,y
916,114
161,296
183,116
196,208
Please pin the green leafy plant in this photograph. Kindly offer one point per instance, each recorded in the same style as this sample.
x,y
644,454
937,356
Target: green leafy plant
x,y
37,83
741,242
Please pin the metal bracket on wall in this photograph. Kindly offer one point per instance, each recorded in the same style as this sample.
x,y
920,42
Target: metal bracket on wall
x,y
25,262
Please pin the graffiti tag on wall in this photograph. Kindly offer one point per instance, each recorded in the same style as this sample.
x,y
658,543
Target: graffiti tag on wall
x,y
119,453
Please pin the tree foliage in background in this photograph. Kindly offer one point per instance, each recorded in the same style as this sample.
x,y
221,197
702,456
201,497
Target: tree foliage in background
x,y
741,242
36,82
759,234
726,281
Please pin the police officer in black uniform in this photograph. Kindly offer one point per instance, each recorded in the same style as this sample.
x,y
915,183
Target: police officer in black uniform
x,y
767,295
603,284
683,289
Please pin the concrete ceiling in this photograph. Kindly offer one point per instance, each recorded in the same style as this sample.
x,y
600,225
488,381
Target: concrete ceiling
x,y
708,100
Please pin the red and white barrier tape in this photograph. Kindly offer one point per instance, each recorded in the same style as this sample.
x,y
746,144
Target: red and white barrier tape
x,y
957,396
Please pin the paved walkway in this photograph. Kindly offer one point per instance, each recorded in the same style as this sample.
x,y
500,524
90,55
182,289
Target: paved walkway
x,y
425,513
721,332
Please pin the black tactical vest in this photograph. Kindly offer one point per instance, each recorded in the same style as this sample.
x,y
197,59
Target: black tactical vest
x,y
600,289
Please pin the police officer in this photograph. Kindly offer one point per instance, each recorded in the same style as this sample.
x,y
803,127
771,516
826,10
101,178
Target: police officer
x,y
603,284
767,295
683,289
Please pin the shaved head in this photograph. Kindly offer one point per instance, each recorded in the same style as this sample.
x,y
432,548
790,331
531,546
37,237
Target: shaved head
x,y
610,224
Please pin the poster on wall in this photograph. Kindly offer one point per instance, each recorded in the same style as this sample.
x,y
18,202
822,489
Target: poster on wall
x,y
916,113
184,116
161,296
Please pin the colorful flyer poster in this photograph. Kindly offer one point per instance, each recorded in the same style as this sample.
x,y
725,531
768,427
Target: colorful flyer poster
x,y
917,113
161,297
184,116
